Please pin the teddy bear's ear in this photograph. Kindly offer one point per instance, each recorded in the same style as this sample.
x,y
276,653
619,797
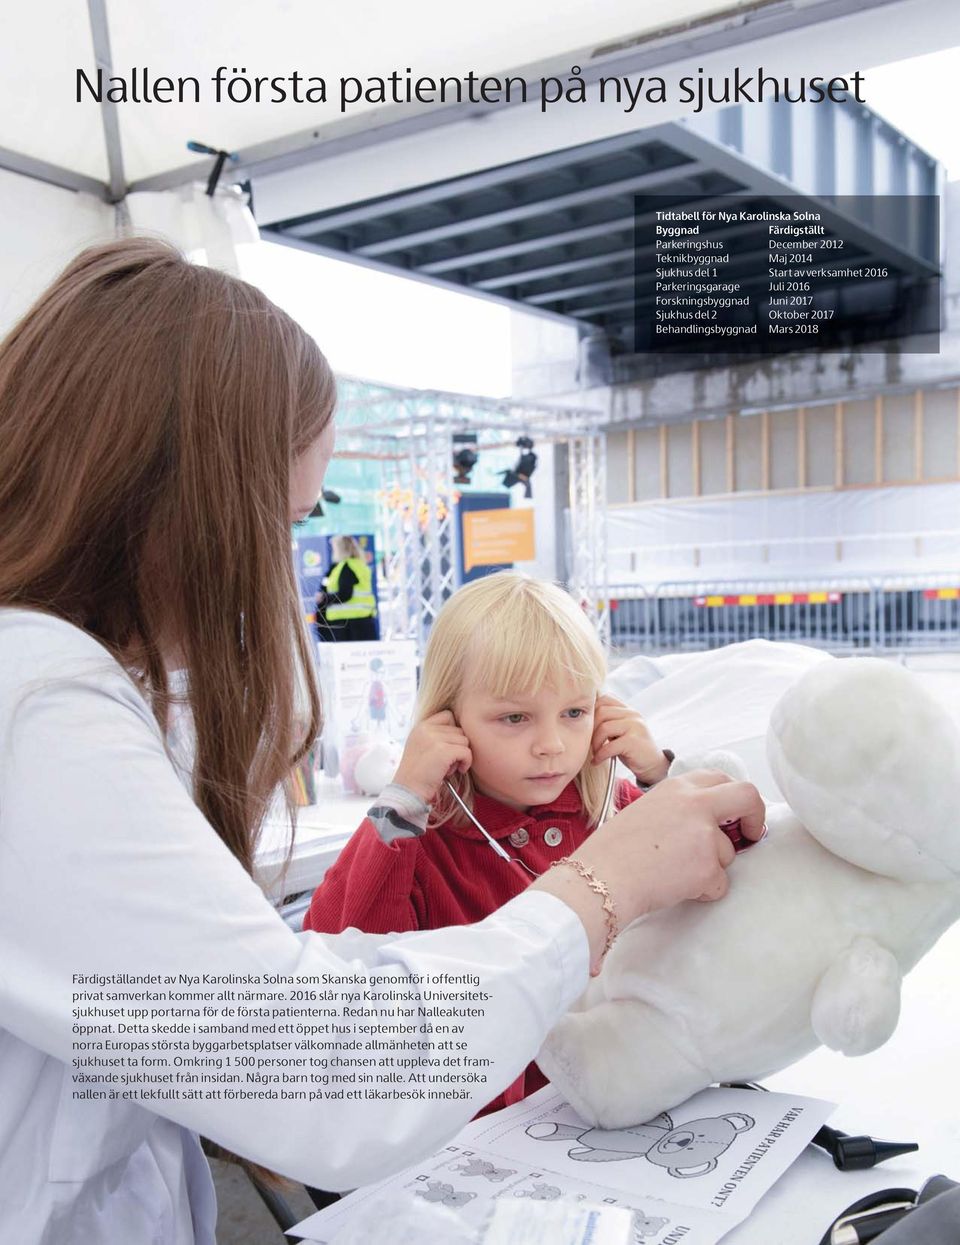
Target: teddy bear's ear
x,y
740,1121
700,1170
870,763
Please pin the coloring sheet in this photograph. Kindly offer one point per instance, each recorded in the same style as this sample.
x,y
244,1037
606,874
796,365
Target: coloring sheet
x,y
688,1175
720,1150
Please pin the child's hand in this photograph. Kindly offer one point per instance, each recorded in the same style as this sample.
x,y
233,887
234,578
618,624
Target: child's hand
x,y
435,748
619,731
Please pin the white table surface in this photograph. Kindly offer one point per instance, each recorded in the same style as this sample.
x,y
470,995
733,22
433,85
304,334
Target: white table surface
x,y
908,1090
321,831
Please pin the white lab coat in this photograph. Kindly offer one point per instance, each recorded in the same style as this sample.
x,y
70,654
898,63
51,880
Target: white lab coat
x,y
107,866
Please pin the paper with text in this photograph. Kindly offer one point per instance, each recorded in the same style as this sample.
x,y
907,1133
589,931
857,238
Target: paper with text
x,y
688,1175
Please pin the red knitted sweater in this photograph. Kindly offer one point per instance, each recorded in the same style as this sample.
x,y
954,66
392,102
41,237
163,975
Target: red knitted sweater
x,y
450,876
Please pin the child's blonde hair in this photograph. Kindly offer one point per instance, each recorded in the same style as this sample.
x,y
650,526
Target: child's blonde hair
x,y
519,633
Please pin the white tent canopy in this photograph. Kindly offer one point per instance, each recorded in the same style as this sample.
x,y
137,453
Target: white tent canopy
x,y
47,44
63,162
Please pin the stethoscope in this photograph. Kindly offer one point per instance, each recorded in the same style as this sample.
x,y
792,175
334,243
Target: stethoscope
x,y
514,860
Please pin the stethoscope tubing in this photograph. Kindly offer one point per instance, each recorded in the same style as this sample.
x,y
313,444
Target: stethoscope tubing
x,y
604,815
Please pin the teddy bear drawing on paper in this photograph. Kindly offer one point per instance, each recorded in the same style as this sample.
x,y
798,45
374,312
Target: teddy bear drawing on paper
x,y
441,1191
690,1149
480,1167
857,879
647,1225
541,1192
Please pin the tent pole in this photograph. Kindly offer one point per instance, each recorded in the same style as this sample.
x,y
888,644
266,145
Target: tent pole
x,y
53,174
111,121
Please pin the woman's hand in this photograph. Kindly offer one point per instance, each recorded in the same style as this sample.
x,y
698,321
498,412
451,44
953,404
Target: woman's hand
x,y
435,748
659,851
669,847
619,731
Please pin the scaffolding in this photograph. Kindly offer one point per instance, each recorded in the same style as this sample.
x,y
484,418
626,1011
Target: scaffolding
x,y
410,433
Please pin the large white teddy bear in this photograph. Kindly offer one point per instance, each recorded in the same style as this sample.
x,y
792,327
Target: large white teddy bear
x,y
857,879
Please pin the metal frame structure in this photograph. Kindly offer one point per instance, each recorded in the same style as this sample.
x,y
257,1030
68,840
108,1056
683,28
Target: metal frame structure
x,y
729,28
565,234
100,32
588,520
410,433
839,613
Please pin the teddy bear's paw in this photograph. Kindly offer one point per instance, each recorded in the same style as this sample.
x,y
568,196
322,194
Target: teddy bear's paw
x,y
621,1062
856,1005
718,759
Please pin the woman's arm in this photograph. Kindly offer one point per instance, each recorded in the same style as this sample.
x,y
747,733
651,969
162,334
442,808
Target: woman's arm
x,y
135,881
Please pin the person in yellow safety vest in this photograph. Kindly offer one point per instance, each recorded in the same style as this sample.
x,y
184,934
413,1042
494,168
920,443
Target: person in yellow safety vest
x,y
346,605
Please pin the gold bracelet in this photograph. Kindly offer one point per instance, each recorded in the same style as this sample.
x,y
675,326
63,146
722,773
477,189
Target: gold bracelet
x,y
609,908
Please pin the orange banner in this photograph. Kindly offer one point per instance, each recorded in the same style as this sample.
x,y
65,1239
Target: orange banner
x,y
494,536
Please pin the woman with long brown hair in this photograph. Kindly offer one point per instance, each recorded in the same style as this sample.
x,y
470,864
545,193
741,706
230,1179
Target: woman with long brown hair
x,y
161,426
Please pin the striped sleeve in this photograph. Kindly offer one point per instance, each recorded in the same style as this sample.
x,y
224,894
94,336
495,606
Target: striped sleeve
x,y
372,884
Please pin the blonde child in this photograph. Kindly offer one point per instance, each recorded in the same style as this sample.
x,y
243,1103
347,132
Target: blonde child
x,y
510,711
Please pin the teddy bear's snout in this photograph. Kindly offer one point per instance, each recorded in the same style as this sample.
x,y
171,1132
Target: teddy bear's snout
x,y
679,1141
